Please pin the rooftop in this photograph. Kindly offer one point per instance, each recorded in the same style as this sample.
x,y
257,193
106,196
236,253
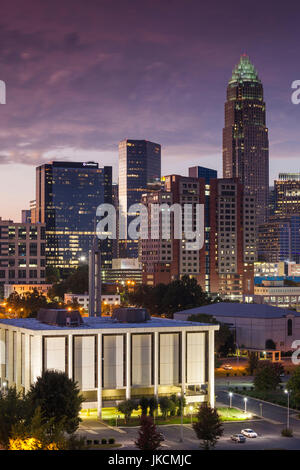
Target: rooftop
x,y
92,323
246,310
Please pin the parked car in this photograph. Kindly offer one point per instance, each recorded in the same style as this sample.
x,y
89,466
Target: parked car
x,y
248,433
238,438
227,367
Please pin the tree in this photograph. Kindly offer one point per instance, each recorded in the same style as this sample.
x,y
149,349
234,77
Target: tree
x,y
166,299
267,375
252,362
144,403
149,438
270,344
126,407
294,386
58,398
165,406
208,427
52,274
153,405
12,411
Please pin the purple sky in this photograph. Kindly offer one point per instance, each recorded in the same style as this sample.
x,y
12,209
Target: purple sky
x,y
82,75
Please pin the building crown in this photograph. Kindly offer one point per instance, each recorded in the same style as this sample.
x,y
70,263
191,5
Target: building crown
x,y
244,71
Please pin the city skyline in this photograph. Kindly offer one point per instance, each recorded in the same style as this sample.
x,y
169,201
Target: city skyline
x,y
80,80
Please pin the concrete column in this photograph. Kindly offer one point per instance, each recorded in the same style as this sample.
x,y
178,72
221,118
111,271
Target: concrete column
x,y
156,365
2,356
99,375
211,368
10,374
183,361
26,353
70,356
128,365
18,360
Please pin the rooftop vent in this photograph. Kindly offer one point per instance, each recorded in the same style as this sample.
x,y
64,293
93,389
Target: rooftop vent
x,y
59,317
131,315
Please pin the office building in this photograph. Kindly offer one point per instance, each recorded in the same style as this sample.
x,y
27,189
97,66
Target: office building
x,y
287,194
67,197
111,359
232,239
245,135
22,253
139,168
279,240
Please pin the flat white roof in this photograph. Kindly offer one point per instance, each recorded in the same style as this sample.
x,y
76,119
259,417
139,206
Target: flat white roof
x,y
100,323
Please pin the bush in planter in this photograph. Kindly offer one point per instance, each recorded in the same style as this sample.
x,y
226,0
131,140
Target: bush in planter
x,y
96,442
111,440
287,432
103,441
89,442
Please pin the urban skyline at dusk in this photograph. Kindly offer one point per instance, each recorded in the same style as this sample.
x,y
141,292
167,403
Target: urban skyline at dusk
x,y
81,79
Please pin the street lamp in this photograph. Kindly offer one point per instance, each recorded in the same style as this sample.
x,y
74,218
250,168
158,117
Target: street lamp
x,y
230,399
4,385
261,405
245,401
181,420
288,410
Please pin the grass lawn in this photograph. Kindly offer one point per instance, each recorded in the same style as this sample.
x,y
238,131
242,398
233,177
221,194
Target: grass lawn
x,y
109,416
233,414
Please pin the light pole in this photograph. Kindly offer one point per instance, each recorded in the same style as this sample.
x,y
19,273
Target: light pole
x,y
230,399
181,419
245,401
288,409
260,405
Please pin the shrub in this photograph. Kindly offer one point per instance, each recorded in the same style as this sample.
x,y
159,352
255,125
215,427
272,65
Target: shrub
x,y
89,442
103,441
96,442
111,440
287,432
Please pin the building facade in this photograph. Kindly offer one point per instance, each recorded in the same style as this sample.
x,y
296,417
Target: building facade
x,y
245,135
287,194
253,324
232,239
22,253
139,168
67,197
113,361
279,239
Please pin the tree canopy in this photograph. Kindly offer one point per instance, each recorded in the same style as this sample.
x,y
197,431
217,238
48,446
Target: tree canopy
x,y
166,299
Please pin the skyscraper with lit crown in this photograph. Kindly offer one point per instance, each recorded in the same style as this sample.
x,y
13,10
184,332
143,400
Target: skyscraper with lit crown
x,y
245,135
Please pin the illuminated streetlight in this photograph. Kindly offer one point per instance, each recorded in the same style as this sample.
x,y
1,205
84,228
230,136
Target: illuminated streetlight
x,y
288,409
245,401
230,399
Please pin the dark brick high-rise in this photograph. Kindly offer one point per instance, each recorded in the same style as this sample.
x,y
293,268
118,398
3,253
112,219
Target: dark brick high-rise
x,y
245,135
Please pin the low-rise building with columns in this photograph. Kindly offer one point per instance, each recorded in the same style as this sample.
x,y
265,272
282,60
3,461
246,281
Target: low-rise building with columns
x,y
112,360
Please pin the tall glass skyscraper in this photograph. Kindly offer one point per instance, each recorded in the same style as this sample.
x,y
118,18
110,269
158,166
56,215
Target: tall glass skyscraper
x,y
67,196
139,168
245,135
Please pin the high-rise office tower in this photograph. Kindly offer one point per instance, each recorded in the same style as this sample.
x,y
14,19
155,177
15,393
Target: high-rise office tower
x,y
67,196
139,168
245,135
287,194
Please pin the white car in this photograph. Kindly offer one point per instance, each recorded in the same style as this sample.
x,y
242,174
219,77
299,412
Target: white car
x,y
248,433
